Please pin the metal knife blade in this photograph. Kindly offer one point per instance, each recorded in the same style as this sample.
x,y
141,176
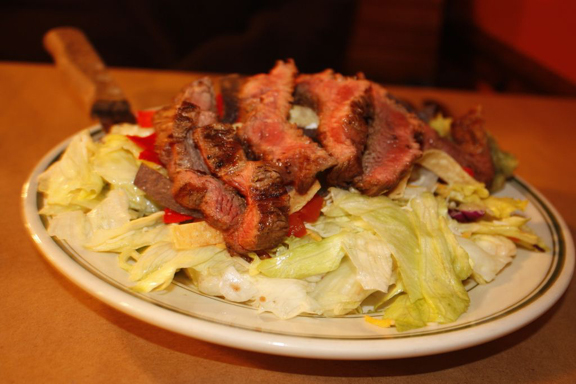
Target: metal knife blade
x,y
87,76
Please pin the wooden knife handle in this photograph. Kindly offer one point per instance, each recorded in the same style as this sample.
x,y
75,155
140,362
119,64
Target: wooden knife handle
x,y
82,67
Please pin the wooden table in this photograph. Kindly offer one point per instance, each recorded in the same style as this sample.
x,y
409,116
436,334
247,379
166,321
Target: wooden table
x,y
52,331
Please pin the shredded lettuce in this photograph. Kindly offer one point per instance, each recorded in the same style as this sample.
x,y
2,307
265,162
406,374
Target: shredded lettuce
x,y
405,256
372,259
156,266
309,259
513,227
71,183
116,161
340,291
489,254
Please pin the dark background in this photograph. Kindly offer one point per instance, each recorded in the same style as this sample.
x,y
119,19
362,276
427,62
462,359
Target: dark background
x,y
409,42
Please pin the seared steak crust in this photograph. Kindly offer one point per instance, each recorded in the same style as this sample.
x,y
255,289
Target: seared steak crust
x,y
391,148
344,108
193,106
265,101
264,222
220,148
163,121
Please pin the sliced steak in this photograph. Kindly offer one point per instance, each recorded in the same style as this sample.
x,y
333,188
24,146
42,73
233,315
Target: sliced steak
x,y
159,188
469,134
265,101
193,186
198,108
220,148
220,205
344,107
264,222
391,147
163,122
469,145
199,92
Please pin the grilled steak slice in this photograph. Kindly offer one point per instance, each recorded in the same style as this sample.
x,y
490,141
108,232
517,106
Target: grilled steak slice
x,y
197,99
265,101
220,148
230,90
391,147
199,92
220,205
344,108
264,223
159,188
192,185
469,145
469,134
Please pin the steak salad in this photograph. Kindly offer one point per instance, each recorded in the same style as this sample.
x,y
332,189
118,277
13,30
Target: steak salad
x,y
296,194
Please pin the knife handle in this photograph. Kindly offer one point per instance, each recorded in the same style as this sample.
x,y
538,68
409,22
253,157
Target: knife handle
x,y
85,72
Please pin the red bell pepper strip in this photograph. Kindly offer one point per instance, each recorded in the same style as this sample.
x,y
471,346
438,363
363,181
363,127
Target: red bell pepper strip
x,y
144,142
171,217
145,118
308,214
296,225
147,144
220,105
469,171
149,155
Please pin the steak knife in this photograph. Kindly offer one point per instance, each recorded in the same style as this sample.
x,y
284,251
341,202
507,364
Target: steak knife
x,y
87,76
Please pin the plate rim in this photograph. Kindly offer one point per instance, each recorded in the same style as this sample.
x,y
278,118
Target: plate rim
x,y
278,344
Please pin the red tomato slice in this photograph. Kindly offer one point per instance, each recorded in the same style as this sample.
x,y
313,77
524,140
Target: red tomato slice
x,y
171,217
144,118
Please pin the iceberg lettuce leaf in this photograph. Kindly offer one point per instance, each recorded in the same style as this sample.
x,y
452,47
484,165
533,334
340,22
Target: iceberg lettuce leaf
x,y
372,259
309,259
157,265
116,161
340,291
71,183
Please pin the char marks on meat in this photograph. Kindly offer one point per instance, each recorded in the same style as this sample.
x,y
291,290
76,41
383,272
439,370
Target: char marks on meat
x,y
196,106
469,145
192,185
391,147
344,107
265,102
220,148
264,222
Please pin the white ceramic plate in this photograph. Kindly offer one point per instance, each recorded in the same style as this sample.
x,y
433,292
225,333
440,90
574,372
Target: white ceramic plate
x,y
523,291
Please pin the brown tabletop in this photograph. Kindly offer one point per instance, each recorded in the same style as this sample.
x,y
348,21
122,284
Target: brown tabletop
x,y
52,331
